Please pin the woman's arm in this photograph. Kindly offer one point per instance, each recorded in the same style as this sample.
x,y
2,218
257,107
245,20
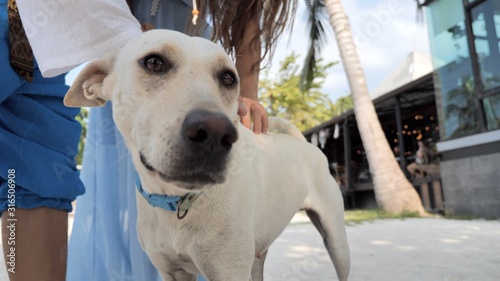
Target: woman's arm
x,y
248,54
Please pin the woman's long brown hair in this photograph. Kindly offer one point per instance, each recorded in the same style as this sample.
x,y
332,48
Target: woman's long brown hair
x,y
229,18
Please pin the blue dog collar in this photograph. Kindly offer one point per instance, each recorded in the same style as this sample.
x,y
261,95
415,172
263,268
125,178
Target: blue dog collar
x,y
170,203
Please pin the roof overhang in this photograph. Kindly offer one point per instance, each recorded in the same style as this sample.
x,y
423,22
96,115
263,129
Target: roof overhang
x,y
415,92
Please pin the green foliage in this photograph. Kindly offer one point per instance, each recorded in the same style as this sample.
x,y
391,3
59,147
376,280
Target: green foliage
x,y
283,97
343,104
468,217
359,216
82,117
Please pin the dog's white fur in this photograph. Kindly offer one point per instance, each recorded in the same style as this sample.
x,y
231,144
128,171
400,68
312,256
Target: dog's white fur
x,y
229,228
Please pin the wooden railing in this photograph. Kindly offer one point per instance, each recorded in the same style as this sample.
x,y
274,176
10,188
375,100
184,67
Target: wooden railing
x,y
428,188
431,193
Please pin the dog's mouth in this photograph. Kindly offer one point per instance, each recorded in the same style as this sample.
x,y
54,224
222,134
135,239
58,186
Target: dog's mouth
x,y
144,162
186,179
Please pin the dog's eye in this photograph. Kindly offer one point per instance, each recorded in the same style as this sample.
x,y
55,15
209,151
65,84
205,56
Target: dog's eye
x,y
227,78
155,64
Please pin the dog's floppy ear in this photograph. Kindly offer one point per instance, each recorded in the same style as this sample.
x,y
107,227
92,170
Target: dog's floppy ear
x,y
87,89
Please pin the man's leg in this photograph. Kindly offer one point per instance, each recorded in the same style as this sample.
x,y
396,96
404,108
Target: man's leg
x,y
41,239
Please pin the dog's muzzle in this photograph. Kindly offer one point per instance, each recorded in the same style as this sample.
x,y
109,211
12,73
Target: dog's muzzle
x,y
208,132
206,141
207,138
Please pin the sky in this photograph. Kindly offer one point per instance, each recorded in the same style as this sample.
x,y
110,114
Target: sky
x,y
385,32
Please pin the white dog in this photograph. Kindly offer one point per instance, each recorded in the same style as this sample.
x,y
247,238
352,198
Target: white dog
x,y
207,201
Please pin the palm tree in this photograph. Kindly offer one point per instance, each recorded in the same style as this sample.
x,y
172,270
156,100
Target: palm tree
x,y
393,192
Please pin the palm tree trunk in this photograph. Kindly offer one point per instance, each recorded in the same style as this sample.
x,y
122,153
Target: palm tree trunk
x,y
393,192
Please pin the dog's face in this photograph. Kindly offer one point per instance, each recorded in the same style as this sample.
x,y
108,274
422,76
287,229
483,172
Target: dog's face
x,y
174,101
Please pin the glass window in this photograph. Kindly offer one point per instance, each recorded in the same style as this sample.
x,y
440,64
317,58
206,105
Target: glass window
x,y
492,112
486,29
458,108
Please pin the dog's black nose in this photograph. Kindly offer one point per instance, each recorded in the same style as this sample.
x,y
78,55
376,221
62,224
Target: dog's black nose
x,y
213,132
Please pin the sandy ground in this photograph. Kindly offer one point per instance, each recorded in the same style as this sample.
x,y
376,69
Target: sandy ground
x,y
408,250
399,250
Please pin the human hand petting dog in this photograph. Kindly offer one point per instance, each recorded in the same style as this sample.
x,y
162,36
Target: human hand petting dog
x,y
248,58
248,109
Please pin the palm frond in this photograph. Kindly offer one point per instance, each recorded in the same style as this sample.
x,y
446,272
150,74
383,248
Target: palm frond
x,y
317,20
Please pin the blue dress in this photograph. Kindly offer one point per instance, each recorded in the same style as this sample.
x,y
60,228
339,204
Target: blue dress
x,y
104,243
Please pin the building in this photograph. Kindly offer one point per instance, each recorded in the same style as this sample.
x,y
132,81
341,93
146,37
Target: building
x,y
406,108
453,105
465,43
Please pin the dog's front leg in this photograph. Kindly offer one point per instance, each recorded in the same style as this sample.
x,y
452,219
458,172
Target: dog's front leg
x,y
226,259
169,268
258,267
179,275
